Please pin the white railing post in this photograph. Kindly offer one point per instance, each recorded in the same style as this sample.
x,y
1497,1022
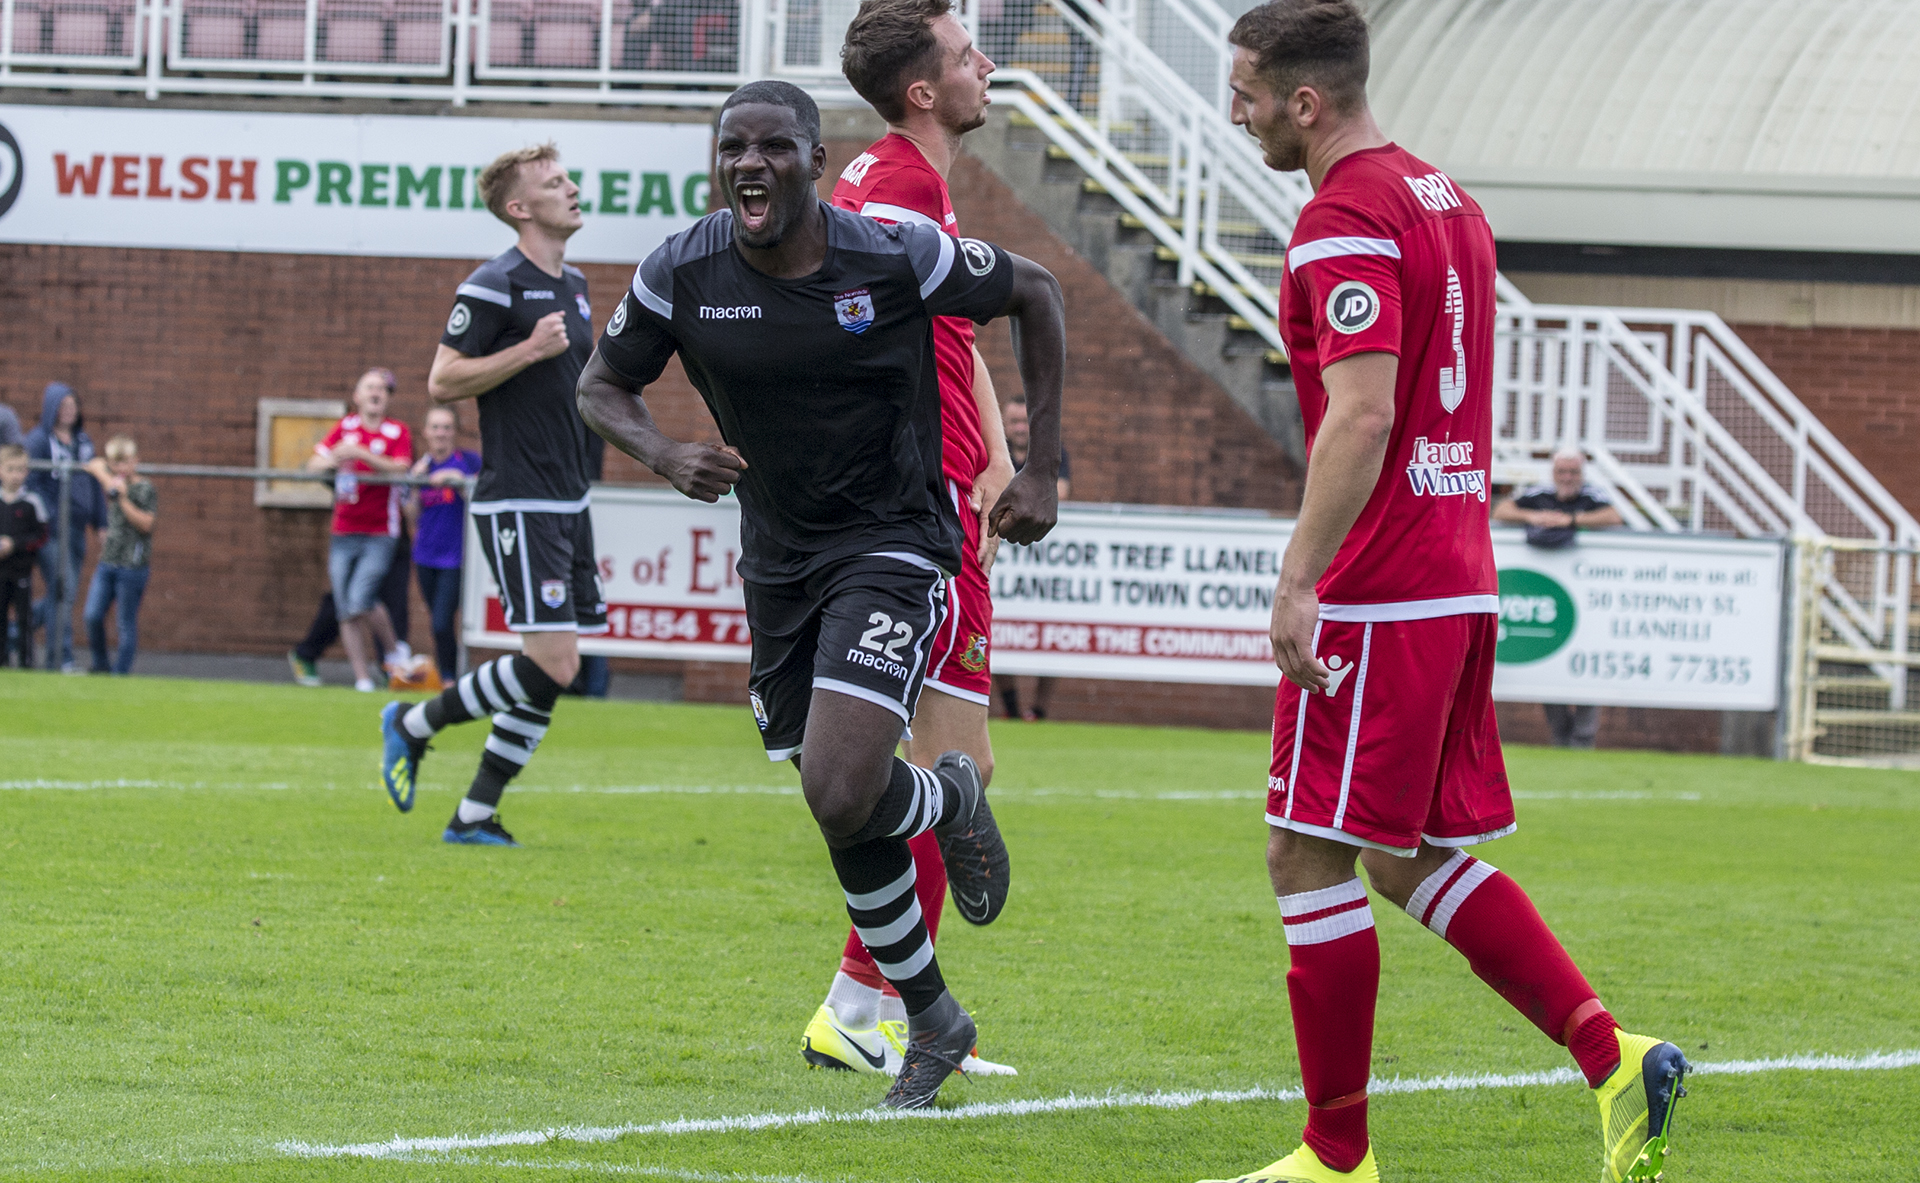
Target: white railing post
x,y
462,50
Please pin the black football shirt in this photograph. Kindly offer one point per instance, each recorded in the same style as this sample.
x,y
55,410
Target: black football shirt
x,y
533,443
826,384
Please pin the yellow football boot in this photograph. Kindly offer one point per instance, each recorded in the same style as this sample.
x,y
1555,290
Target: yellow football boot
x,y
1636,1108
1304,1166
830,1044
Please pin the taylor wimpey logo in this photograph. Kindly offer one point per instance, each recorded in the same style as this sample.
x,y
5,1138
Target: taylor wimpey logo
x,y
1427,470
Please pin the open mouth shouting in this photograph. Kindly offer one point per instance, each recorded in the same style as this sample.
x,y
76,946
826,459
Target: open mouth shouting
x,y
755,202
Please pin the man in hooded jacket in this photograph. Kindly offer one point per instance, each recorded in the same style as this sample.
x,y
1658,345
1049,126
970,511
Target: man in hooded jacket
x,y
61,435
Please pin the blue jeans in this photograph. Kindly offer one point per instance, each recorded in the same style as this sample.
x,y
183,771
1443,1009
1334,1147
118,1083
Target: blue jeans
x,y
56,607
440,588
111,585
356,563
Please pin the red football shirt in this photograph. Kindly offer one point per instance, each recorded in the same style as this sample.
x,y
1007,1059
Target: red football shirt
x,y
1391,257
892,182
362,508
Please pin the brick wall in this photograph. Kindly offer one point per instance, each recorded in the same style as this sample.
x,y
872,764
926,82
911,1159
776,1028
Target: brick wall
x,y
1864,384
176,347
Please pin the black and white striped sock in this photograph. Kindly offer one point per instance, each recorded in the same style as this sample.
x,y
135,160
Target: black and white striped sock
x,y
520,697
915,801
878,879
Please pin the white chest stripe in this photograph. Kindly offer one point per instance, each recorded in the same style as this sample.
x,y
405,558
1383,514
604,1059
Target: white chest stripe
x,y
896,213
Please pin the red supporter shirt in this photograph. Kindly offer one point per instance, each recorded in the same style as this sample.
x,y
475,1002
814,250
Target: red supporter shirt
x,y
362,508
1391,257
892,182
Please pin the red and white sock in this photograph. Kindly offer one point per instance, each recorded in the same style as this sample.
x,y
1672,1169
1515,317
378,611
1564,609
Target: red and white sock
x,y
1333,984
1478,910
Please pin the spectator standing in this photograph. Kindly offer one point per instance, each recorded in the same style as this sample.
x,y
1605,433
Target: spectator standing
x,y
1554,513
62,435
23,531
10,428
440,530
366,520
1019,438
120,577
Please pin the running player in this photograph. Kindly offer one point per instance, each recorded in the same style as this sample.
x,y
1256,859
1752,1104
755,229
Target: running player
x,y
808,330
1384,741
520,332
914,61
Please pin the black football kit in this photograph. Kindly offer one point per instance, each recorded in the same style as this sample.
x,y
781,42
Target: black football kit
x,y
827,385
530,501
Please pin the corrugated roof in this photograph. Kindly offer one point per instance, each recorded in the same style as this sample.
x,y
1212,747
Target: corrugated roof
x,y
1746,87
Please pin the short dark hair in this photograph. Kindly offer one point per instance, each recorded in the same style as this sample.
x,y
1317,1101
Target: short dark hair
x,y
1317,43
778,94
890,46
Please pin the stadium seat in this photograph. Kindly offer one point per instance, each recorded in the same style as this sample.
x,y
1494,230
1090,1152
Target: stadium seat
x,y
353,31
213,31
506,33
713,41
566,33
419,32
281,32
32,26
86,30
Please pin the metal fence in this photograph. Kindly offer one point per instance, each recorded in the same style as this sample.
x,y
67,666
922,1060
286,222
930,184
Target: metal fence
x,y
1847,697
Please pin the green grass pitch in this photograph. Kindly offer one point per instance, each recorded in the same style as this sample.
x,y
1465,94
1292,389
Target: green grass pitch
x,y
218,939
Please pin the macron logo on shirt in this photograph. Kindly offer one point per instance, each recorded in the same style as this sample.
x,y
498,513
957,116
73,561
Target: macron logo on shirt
x,y
741,312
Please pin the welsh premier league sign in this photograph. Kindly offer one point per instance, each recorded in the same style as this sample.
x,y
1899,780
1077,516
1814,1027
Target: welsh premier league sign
x,y
397,185
1621,618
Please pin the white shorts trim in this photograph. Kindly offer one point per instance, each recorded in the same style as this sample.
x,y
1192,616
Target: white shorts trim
x,y
968,695
530,505
545,628
1408,609
1281,823
598,630
779,754
852,691
904,557
1476,840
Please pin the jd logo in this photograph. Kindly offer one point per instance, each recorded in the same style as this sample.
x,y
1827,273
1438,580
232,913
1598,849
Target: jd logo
x,y
1352,306
1536,617
11,170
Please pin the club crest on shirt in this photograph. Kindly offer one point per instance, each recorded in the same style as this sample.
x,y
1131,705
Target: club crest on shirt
x,y
854,310
979,255
553,592
1352,307
619,320
974,658
586,309
759,709
458,322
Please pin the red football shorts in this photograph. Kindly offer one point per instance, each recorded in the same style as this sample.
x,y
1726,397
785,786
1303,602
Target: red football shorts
x,y
1402,746
958,664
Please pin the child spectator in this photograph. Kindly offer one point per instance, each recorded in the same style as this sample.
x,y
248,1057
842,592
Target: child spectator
x,y
439,530
366,521
23,531
121,574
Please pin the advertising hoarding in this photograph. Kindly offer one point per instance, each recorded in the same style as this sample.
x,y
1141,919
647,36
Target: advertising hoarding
x,y
1621,618
396,185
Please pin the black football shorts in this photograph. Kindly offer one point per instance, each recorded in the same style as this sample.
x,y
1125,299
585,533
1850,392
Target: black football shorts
x,y
547,570
862,626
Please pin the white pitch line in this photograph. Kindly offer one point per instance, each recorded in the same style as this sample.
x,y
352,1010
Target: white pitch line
x,y
611,1168
1185,1099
